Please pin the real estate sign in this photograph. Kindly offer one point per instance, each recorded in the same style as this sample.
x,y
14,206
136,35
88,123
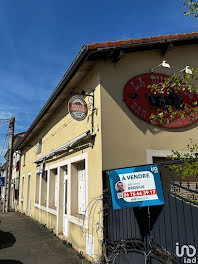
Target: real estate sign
x,y
2,181
136,187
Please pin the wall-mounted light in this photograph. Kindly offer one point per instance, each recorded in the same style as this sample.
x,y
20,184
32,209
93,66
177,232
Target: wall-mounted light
x,y
187,70
163,64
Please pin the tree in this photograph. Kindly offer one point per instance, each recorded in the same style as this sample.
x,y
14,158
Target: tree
x,y
191,8
184,80
189,162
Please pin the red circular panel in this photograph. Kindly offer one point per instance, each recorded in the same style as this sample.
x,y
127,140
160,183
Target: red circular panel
x,y
142,101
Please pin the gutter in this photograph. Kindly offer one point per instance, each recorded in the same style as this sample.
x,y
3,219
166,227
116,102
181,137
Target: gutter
x,y
79,59
148,44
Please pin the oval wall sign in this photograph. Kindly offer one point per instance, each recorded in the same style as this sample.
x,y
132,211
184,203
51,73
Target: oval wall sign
x,y
143,102
77,108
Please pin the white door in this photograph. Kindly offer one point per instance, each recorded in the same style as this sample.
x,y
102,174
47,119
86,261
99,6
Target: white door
x,y
28,196
65,204
81,188
56,191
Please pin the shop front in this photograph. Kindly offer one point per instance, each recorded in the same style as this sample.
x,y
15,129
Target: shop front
x,y
98,120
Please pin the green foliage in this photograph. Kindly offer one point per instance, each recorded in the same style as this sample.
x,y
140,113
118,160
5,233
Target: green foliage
x,y
181,81
178,82
80,255
189,167
67,244
191,7
51,230
192,198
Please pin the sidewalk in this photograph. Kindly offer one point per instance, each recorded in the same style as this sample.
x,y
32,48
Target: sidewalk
x,y
34,244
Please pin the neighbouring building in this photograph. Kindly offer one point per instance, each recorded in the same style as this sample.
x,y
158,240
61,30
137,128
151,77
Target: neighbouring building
x,y
14,181
3,174
14,186
63,160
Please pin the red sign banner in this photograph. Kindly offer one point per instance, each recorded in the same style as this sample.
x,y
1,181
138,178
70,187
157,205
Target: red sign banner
x,y
142,101
78,108
139,193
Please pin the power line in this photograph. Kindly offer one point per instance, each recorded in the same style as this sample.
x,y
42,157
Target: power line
x,y
4,120
2,150
4,145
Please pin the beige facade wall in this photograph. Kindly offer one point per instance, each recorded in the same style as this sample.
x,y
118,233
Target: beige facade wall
x,y
122,139
125,137
58,130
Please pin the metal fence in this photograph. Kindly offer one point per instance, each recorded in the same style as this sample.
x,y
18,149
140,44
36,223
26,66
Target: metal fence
x,y
150,234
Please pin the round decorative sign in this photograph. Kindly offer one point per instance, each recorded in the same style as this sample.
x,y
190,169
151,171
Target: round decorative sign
x,y
77,108
143,102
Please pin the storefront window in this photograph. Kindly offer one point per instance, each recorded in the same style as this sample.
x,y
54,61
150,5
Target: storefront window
x,y
78,182
44,188
37,188
53,189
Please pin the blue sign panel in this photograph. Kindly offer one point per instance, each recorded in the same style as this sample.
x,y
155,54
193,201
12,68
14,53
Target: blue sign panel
x,y
136,187
41,168
2,181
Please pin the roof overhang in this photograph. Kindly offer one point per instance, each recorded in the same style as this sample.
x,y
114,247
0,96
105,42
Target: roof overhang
x,y
85,60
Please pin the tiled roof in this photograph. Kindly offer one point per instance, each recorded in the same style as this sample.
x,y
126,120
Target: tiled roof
x,y
119,43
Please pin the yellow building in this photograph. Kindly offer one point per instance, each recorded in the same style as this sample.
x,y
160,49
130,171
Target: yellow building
x,y
67,197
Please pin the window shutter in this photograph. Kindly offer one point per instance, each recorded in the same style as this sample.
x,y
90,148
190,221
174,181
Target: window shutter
x,y
81,191
56,191
22,188
17,166
16,183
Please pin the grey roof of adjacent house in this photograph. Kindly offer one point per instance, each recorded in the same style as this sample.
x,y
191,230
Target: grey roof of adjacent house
x,y
85,59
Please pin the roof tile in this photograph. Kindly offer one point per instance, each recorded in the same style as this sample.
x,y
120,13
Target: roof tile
x,y
119,43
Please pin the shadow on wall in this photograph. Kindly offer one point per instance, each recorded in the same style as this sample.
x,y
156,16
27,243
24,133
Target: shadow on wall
x,y
10,261
116,100
7,240
114,77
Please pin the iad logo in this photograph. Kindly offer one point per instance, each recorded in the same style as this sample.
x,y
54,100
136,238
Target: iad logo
x,y
189,250
154,169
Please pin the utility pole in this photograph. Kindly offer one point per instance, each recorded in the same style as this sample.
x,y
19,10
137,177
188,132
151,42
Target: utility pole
x,y
6,203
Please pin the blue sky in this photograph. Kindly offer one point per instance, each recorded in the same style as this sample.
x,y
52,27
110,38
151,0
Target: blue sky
x,y
40,38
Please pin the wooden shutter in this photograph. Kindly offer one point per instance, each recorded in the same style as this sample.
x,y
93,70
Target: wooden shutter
x,y
81,189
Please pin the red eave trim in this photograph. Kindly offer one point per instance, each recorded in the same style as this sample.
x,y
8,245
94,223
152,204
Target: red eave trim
x,y
20,134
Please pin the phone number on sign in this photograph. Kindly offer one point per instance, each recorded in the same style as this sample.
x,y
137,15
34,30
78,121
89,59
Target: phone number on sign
x,y
139,193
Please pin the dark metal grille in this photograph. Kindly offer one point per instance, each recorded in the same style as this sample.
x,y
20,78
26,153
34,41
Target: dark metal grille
x,y
150,234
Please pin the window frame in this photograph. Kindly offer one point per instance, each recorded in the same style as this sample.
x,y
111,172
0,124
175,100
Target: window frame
x,y
22,187
80,220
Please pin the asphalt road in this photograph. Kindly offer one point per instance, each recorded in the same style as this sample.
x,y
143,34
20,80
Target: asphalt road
x,y
24,241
